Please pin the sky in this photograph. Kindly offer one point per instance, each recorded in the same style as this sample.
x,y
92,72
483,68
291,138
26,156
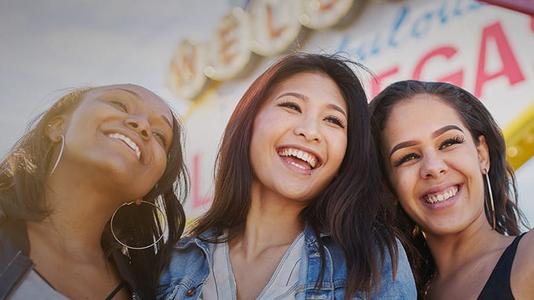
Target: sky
x,y
48,47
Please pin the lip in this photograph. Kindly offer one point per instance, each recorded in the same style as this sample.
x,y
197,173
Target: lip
x,y
441,188
302,148
134,137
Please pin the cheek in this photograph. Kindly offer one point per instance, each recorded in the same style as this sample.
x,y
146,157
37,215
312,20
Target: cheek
x,y
404,186
162,163
256,142
403,181
338,149
159,163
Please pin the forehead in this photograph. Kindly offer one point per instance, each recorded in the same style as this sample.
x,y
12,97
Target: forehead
x,y
419,117
145,98
314,85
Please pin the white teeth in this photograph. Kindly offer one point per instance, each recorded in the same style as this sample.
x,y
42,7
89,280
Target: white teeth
x,y
435,198
128,142
302,155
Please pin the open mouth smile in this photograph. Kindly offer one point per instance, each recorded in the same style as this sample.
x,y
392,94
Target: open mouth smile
x,y
301,159
441,196
129,142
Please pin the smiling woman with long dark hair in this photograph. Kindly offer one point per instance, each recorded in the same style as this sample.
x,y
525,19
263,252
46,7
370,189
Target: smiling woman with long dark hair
x,y
297,211
87,194
444,157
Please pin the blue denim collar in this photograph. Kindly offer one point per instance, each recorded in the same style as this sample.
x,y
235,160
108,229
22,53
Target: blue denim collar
x,y
201,242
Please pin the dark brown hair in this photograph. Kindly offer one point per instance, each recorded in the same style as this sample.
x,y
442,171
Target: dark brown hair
x,y
479,122
23,176
350,208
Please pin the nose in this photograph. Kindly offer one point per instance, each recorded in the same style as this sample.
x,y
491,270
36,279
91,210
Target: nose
x,y
140,125
308,129
433,166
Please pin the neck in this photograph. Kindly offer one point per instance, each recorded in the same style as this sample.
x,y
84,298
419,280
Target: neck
x,y
79,213
452,251
272,221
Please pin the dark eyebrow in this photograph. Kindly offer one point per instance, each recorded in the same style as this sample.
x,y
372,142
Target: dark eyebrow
x,y
444,129
304,98
167,121
400,146
296,95
435,134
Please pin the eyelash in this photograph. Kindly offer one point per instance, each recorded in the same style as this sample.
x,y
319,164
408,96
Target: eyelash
x,y
290,105
123,107
161,137
120,105
294,106
335,120
451,141
445,144
405,158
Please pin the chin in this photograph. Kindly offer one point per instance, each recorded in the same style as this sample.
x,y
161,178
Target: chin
x,y
299,195
116,171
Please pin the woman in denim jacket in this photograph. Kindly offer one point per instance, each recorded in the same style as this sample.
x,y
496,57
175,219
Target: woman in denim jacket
x,y
298,211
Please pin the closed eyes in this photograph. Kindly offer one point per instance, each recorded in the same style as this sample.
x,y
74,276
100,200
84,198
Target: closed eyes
x,y
121,106
161,138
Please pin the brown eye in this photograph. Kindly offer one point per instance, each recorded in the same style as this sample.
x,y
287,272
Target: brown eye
x,y
452,141
290,105
405,158
335,120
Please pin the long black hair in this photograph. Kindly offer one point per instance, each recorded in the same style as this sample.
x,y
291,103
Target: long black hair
x,y
23,176
351,208
479,122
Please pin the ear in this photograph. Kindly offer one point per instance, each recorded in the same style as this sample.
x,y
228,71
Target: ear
x,y
55,128
483,154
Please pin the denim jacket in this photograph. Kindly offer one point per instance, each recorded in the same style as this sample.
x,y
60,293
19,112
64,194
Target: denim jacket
x,y
192,260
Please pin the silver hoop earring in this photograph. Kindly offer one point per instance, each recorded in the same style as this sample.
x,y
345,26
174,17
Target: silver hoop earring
x,y
132,247
492,203
62,146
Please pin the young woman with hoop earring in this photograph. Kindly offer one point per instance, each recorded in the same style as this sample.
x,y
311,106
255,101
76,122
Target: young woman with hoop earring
x,y
457,200
89,198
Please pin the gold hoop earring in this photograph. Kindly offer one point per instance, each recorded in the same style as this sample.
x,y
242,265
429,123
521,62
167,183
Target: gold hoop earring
x,y
133,247
492,203
62,146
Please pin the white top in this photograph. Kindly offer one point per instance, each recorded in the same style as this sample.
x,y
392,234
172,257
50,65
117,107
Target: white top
x,y
33,286
282,285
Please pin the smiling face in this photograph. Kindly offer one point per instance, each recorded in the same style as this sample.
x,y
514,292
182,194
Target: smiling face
x,y
124,132
299,136
435,166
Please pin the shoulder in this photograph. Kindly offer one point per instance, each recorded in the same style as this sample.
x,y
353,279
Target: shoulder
x,y
188,267
13,239
188,251
396,281
523,268
14,261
